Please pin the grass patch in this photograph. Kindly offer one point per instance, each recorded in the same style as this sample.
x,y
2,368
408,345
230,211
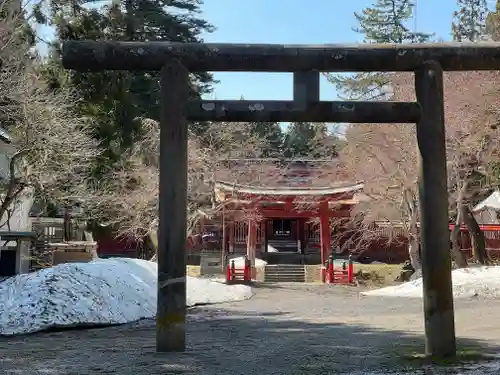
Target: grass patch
x,y
464,356
377,274
193,271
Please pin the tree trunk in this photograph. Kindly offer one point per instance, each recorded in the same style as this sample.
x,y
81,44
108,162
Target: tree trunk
x,y
478,242
456,250
67,224
413,245
413,251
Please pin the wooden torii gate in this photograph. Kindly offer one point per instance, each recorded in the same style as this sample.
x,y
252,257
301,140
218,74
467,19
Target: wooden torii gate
x,y
177,60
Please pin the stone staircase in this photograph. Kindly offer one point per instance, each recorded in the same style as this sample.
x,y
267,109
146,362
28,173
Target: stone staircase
x,y
284,273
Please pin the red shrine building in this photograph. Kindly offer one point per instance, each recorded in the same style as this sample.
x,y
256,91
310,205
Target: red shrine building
x,y
283,212
283,224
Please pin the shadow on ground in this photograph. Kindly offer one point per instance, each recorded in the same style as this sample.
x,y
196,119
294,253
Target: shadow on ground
x,y
221,341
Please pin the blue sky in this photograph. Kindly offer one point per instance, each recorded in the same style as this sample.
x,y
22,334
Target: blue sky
x,y
298,22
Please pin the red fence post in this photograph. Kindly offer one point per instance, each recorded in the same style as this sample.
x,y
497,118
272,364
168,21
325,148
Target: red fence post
x,y
228,273
331,271
246,269
350,271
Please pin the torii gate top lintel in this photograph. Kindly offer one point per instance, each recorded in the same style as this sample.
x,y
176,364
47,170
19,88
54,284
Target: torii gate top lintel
x,y
86,55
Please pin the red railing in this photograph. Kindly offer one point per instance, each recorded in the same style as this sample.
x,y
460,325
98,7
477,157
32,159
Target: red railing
x,y
335,275
491,235
483,227
239,275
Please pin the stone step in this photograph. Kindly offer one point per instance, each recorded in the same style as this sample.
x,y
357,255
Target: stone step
x,y
285,266
285,270
293,270
284,273
284,279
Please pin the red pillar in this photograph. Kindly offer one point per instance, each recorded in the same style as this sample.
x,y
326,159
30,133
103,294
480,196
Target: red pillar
x,y
325,233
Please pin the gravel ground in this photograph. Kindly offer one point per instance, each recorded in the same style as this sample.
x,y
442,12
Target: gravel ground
x,y
286,329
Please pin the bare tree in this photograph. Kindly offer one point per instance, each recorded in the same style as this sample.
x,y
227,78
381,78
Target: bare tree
x,y
129,196
386,158
52,150
471,145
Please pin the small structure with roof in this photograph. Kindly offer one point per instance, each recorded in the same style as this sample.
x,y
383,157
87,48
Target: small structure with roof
x,y
487,211
294,222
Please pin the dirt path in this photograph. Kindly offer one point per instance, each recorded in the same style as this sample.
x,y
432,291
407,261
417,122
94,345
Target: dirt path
x,y
288,330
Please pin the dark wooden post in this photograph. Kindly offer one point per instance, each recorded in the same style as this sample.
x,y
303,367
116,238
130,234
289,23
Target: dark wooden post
x,y
435,237
306,87
171,310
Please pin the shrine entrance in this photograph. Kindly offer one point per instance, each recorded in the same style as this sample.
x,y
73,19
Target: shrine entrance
x,y
281,235
282,228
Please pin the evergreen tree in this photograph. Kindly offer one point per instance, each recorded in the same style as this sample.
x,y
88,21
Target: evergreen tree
x,y
309,140
115,101
324,144
469,21
297,141
273,136
383,22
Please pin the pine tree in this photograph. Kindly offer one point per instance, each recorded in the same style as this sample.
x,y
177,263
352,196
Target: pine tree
x,y
469,21
324,144
309,140
297,141
272,135
163,20
383,22
115,101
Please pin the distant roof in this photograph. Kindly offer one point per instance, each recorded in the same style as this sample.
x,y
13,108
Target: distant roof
x,y
288,191
493,201
287,173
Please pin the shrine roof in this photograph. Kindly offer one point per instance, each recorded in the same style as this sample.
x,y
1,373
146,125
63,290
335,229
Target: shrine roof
x,y
340,188
283,173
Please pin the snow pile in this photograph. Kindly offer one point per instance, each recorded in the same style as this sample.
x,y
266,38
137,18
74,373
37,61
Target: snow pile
x,y
271,249
102,292
467,282
240,262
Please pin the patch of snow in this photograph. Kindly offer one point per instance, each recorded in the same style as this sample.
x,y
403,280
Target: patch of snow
x,y
101,292
271,249
240,262
467,282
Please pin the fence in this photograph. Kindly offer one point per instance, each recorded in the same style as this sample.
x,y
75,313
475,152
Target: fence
x,y
491,236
